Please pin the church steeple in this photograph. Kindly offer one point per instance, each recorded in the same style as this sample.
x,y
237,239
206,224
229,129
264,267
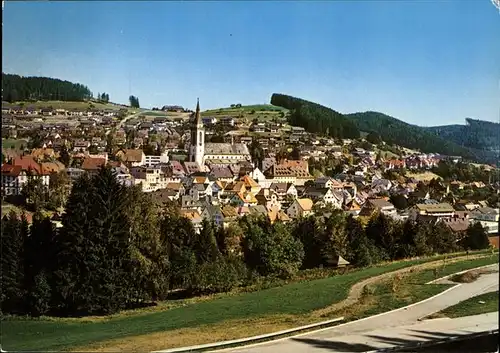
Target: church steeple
x,y
197,148
198,115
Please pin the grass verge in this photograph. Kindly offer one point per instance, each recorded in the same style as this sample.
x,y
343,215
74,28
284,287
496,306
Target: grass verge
x,y
401,290
272,309
481,304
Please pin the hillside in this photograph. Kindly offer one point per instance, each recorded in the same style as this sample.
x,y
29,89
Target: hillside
x,y
316,118
260,112
398,132
477,134
19,88
68,105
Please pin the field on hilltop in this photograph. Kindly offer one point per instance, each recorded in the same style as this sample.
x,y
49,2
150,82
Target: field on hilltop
x,y
262,112
68,105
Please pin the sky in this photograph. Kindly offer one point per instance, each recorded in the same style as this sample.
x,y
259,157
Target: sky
x,y
424,62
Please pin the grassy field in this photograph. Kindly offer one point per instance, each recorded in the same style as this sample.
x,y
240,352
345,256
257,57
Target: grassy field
x,y
484,303
262,112
70,105
426,176
400,291
289,302
14,143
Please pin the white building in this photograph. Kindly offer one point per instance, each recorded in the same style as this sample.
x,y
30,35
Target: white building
x,y
151,161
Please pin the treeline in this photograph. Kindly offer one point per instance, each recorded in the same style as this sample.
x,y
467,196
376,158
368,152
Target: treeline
x,y
465,172
316,118
104,97
478,134
117,251
134,101
394,131
19,88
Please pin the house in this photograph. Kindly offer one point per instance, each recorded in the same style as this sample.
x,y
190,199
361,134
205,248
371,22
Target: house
x,y
284,189
432,211
131,157
300,208
151,160
377,205
74,173
269,199
243,199
277,215
163,197
324,196
199,191
195,218
485,214
81,146
92,165
213,213
17,174
230,215
326,182
222,173
457,225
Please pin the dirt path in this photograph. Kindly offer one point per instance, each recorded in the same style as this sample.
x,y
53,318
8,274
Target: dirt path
x,y
357,289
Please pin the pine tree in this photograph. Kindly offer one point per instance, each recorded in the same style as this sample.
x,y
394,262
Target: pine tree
x,y
40,263
14,234
205,244
476,237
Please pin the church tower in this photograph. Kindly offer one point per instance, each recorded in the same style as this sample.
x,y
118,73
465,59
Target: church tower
x,y
197,147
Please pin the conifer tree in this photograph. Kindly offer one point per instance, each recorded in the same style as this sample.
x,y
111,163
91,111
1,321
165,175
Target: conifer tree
x,y
14,236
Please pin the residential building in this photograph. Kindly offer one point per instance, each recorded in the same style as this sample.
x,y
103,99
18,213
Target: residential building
x,y
300,208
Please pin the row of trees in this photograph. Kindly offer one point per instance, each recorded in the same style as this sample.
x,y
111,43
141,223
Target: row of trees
x,y
316,118
19,88
116,250
134,101
104,97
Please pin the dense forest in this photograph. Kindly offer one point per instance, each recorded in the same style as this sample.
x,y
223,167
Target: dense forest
x,y
19,88
477,134
316,118
394,131
117,249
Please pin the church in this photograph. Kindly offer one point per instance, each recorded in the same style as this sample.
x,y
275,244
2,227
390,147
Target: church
x,y
203,153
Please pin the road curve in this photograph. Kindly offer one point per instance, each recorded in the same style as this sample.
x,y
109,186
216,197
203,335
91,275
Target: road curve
x,y
393,328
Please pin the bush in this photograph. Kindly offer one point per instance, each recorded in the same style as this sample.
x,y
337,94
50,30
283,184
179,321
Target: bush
x,y
215,277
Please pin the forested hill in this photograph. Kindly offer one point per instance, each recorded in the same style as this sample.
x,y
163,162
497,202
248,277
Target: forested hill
x,y
397,132
18,88
478,134
316,118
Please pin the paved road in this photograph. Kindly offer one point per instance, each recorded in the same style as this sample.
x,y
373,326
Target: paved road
x,y
393,328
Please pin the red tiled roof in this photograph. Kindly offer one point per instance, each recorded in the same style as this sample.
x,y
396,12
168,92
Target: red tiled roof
x,y
90,163
11,170
27,163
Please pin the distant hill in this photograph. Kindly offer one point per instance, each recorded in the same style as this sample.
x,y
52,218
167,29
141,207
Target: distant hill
x,y
476,134
19,88
394,131
316,118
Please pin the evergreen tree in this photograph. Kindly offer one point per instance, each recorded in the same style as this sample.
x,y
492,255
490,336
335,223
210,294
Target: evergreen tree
x,y
179,238
205,243
39,264
476,237
94,248
360,249
307,231
14,234
65,157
